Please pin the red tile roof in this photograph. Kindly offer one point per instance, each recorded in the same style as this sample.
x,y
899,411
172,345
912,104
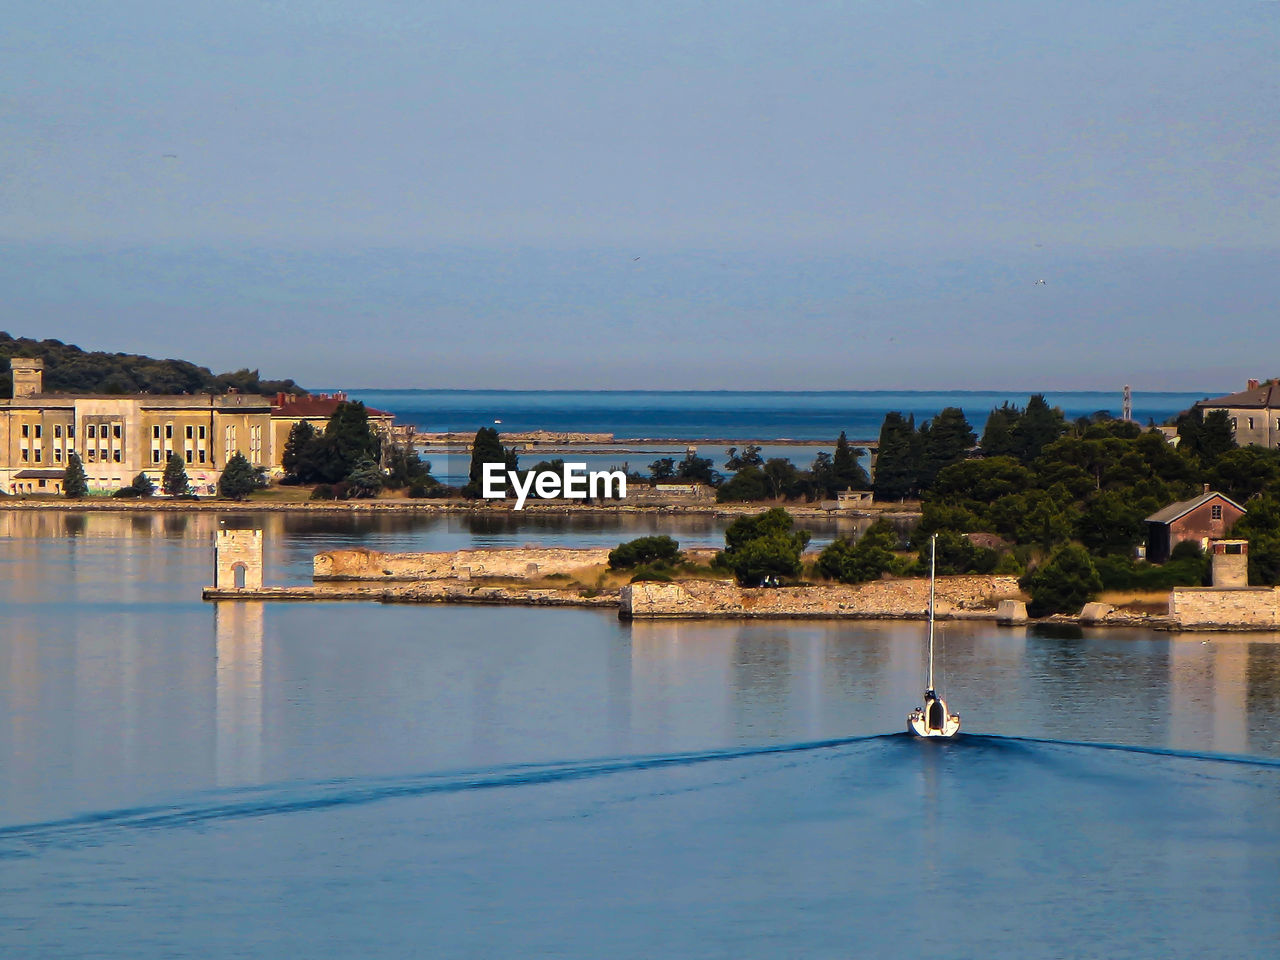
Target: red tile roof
x,y
1265,396
322,406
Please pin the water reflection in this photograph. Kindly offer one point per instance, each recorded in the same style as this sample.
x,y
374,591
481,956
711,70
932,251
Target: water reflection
x,y
238,700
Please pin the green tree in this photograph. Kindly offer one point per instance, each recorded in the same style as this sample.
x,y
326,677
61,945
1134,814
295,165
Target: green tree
x,y
74,482
240,478
1245,472
486,448
661,551
1064,584
847,472
750,457
783,478
957,554
762,546
348,440
997,435
868,559
898,463
303,455
944,440
698,469
746,486
405,468
1205,436
365,480
142,486
662,469
175,483
1040,424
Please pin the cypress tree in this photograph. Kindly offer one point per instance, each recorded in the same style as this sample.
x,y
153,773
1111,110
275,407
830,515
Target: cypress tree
x,y
847,473
74,483
174,483
946,439
302,452
898,462
486,448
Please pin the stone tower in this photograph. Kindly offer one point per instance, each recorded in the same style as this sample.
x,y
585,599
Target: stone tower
x,y
1230,559
237,552
28,376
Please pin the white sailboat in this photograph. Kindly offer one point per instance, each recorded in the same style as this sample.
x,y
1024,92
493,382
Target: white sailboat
x,y
933,719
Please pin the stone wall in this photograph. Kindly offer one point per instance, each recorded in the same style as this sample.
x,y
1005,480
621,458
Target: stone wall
x,y
956,597
237,550
1206,608
517,563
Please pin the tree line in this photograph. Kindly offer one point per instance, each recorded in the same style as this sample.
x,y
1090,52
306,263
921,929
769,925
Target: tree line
x,y
68,369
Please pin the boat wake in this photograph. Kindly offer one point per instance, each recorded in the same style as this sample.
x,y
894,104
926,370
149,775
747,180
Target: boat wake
x,y
268,800
298,797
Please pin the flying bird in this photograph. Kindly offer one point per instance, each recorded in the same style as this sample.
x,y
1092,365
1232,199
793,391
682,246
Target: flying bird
x,y
1039,283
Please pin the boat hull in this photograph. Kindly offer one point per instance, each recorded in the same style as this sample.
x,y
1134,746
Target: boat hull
x,y
933,720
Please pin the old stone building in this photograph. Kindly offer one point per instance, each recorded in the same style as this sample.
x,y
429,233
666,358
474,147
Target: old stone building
x,y
1254,413
118,437
1207,517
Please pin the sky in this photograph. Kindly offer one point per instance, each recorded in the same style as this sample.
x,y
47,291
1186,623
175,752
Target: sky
x,y
719,195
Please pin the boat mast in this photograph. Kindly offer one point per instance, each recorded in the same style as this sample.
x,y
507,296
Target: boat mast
x,y
933,567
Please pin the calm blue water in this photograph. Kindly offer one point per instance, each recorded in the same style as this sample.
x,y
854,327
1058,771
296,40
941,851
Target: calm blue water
x,y
181,779
726,415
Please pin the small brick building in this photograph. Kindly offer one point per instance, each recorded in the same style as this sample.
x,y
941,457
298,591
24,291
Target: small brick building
x,y
1209,516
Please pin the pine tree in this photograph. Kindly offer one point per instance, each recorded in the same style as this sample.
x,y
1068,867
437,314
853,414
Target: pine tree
x,y
348,440
1039,426
997,435
74,483
240,478
174,483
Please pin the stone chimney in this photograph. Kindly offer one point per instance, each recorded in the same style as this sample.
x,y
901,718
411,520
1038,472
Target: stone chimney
x,y
1253,384
28,376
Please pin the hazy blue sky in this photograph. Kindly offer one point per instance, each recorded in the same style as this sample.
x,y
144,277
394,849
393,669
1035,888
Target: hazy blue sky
x,y
608,194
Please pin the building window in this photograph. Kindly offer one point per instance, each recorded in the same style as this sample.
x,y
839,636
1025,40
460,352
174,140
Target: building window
x,y
1215,512
202,432
38,454
190,432
168,431
155,456
57,431
1233,424
93,432
39,431
117,430
92,454
202,454
71,431
116,456
1250,425
102,454
26,455
57,454
26,429
155,432
188,456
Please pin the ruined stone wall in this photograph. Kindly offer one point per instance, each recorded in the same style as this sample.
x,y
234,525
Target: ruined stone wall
x,y
956,596
1204,608
518,563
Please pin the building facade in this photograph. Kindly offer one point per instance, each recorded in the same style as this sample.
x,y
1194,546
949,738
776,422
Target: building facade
x,y
118,437
1254,413
1207,517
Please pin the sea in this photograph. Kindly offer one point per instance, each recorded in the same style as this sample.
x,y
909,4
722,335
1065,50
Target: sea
x,y
816,416
180,778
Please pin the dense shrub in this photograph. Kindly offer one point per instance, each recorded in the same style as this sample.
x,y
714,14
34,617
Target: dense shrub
x,y
763,546
660,550
1064,584
868,559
